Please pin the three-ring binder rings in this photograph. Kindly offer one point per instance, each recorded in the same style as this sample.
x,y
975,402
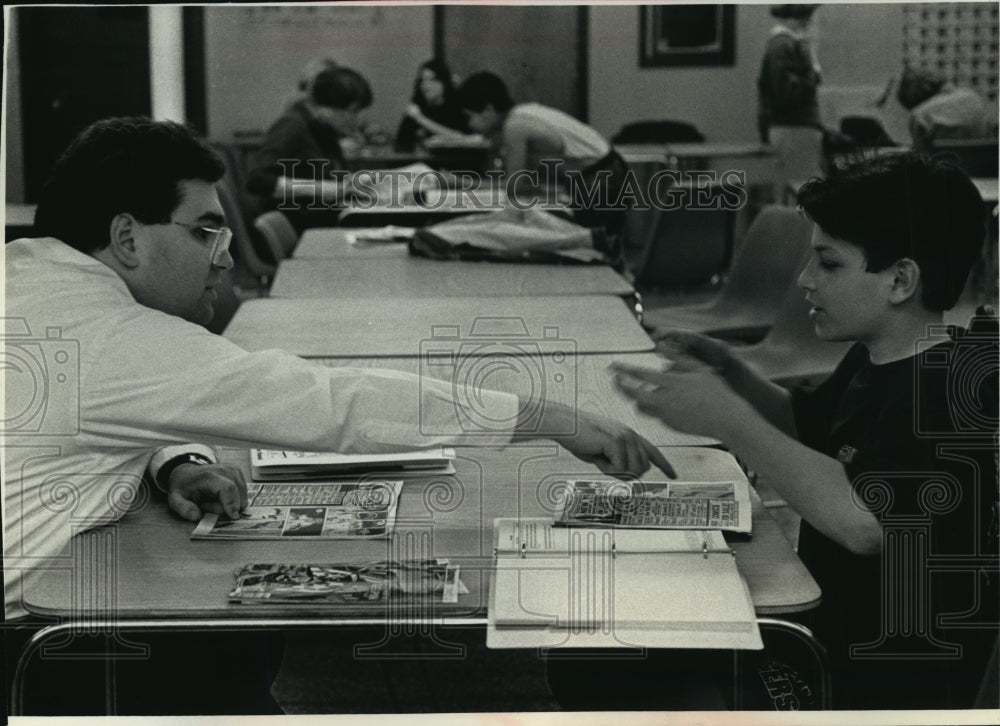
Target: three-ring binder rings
x,y
605,587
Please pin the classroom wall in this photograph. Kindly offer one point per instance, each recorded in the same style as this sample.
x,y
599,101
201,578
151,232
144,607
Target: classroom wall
x,y
254,57
859,46
14,149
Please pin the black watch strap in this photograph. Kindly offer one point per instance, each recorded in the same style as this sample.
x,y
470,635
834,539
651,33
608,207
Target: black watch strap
x,y
163,475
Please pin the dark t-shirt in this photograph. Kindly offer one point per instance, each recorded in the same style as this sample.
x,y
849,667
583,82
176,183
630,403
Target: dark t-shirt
x,y
917,438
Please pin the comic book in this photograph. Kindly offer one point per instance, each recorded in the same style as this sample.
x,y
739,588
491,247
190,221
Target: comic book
x,y
655,505
432,580
313,510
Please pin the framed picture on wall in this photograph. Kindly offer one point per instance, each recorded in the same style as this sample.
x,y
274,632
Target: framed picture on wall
x,y
687,35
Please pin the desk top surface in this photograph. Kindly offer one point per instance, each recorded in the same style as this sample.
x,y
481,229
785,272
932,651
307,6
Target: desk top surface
x,y
381,327
341,242
420,278
160,572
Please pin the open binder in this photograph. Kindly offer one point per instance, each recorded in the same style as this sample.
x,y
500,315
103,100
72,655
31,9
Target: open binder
x,y
605,588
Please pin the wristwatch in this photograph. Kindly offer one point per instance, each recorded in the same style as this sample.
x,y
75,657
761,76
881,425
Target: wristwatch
x,y
163,475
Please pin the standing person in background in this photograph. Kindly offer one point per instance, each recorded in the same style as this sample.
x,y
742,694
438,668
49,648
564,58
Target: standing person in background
x,y
527,134
939,110
432,110
788,108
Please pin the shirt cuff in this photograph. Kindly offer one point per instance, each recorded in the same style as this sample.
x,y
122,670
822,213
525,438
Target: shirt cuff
x,y
162,456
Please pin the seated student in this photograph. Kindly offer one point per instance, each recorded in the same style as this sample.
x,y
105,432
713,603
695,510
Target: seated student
x,y
432,110
940,111
132,245
891,461
527,134
297,164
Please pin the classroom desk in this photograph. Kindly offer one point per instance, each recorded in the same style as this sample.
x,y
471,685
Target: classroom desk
x,y
438,205
383,327
338,243
162,573
416,277
19,219
165,581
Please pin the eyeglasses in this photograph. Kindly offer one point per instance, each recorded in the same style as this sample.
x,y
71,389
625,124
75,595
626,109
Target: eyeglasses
x,y
217,239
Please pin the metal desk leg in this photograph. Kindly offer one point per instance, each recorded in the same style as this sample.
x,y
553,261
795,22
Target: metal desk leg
x,y
804,635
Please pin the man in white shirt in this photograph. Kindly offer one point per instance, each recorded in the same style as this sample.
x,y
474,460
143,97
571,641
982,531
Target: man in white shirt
x,y
110,302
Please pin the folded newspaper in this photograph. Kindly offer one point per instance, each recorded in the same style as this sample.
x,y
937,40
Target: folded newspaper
x,y
372,582
312,510
672,505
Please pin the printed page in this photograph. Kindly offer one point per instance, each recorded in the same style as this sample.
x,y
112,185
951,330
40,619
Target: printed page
x,y
348,583
537,536
274,463
317,510
675,504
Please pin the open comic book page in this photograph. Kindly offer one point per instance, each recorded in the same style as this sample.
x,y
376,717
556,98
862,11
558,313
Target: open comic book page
x,y
678,505
316,510
370,582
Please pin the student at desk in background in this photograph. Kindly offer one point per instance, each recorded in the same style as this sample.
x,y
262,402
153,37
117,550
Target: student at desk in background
x,y
432,110
530,134
898,444
940,111
311,133
133,243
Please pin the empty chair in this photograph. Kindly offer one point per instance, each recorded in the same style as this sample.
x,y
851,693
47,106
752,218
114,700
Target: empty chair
x,y
791,353
278,233
250,268
764,265
656,132
688,245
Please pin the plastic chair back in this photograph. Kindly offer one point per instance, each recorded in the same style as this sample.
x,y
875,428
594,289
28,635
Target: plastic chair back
x,y
654,132
278,233
688,246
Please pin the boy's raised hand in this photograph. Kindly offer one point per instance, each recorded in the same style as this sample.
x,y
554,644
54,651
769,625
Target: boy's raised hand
x,y
687,348
697,401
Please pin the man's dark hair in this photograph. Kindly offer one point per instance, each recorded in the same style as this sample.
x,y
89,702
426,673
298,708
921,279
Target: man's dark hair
x,y
905,206
341,88
482,89
130,164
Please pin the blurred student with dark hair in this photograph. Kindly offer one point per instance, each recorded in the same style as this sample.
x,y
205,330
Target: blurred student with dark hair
x,y
432,110
302,151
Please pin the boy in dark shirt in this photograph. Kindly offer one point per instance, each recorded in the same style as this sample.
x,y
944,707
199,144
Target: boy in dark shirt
x,y
891,462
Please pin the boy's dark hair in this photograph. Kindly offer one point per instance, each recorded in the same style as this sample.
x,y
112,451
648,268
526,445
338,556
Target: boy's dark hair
x,y
905,206
341,88
481,90
128,164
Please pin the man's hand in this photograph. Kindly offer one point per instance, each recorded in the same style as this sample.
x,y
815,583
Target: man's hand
x,y
699,402
197,488
615,449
